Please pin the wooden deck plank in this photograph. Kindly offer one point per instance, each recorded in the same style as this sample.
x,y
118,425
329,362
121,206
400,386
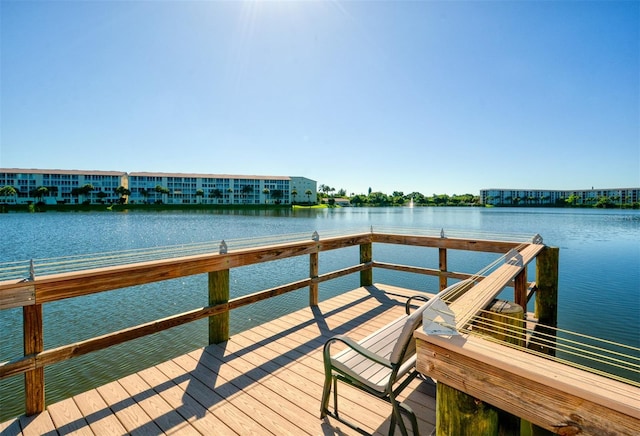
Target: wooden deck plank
x,y
232,417
134,419
208,369
251,381
156,407
68,419
266,380
10,428
100,417
172,385
38,425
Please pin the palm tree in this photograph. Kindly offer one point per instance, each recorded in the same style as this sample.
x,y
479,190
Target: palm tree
x,y
246,190
101,196
294,193
265,191
8,191
162,191
39,192
124,192
145,194
308,194
85,190
277,195
216,193
199,194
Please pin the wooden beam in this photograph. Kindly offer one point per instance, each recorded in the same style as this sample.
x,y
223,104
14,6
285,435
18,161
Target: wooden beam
x,y
366,256
17,295
219,294
313,273
442,265
33,344
449,243
468,305
547,265
550,394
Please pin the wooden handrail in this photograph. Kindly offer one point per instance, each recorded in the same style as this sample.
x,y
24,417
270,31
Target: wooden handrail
x,y
45,289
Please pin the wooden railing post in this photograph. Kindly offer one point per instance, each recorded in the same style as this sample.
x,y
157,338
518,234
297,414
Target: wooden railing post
x,y
546,311
366,256
33,343
219,293
442,260
547,281
313,274
460,413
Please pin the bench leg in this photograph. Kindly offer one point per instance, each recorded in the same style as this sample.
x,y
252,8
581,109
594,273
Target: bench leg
x,y
324,405
396,418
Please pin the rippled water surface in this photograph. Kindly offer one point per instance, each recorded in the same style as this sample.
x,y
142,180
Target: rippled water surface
x,y
599,291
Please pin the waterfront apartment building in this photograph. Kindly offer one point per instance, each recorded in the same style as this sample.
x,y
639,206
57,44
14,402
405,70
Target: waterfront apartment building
x,y
538,197
94,187
62,186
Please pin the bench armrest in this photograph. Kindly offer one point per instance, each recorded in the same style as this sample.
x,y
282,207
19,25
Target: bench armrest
x,y
407,305
353,345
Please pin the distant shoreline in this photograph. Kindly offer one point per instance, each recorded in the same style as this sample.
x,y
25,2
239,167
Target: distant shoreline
x,y
40,208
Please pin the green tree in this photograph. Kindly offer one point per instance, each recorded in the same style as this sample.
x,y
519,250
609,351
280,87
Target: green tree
x,y
246,190
294,194
358,200
123,193
145,193
216,193
265,191
8,191
38,193
163,193
199,195
572,200
101,196
308,193
85,190
379,199
277,195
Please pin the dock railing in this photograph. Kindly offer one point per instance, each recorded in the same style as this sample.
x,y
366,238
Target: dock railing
x,y
216,260
74,281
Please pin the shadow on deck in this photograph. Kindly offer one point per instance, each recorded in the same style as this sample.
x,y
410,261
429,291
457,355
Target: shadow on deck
x,y
266,380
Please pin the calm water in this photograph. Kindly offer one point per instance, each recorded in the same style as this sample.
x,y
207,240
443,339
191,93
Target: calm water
x,y
599,291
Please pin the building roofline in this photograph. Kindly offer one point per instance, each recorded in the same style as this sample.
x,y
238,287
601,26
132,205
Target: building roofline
x,y
557,190
207,176
58,171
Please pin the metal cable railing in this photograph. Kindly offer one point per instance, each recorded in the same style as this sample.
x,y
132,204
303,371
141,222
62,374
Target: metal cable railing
x,y
25,269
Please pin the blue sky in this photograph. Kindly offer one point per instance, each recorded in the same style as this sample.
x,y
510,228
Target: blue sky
x,y
427,96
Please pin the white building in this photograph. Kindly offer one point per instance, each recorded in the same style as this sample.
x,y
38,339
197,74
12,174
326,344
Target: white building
x,y
537,197
63,186
66,186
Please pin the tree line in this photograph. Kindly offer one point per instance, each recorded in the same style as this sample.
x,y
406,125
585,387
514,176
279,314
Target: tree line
x,y
397,198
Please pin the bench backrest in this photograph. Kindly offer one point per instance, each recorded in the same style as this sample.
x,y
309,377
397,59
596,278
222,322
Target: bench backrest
x,y
405,347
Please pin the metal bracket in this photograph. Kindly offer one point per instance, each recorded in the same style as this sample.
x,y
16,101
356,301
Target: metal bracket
x,y
438,319
513,257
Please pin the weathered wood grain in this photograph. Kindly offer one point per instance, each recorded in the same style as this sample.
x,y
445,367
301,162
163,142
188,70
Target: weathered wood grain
x,y
547,393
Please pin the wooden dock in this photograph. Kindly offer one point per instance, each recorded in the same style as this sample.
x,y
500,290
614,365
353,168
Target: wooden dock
x,y
266,380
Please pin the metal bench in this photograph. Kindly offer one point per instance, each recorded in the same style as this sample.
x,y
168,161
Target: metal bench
x,y
382,364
